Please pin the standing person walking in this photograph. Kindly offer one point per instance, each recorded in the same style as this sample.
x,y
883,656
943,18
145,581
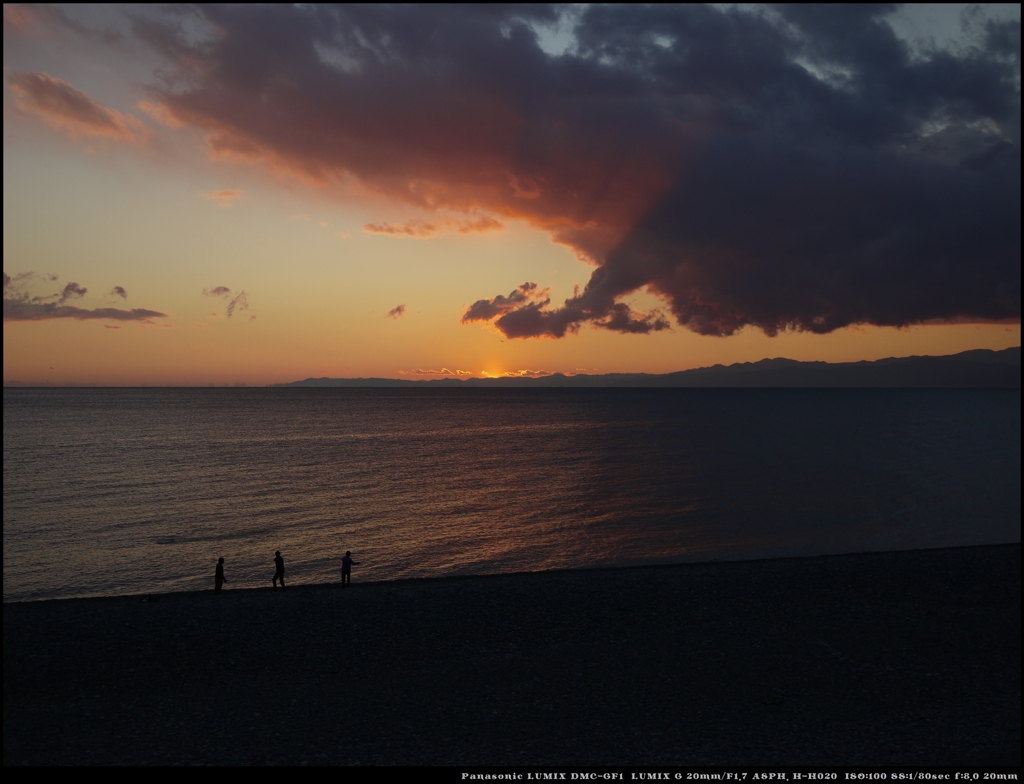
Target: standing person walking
x,y
279,574
218,578
346,569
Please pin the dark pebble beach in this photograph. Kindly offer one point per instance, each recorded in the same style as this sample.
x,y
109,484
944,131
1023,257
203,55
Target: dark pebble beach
x,y
904,658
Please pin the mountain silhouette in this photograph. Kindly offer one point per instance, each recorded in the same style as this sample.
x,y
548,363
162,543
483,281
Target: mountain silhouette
x,y
980,368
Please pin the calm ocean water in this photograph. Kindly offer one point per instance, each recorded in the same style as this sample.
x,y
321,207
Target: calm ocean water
x,y
119,491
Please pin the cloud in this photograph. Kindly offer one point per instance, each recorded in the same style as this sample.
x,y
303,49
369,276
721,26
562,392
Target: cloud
x,y
520,374
396,312
446,373
239,302
487,309
23,279
394,122
443,372
64,108
71,291
118,291
160,113
479,225
112,326
793,168
48,21
21,305
523,313
26,311
18,17
413,228
224,198
421,229
235,302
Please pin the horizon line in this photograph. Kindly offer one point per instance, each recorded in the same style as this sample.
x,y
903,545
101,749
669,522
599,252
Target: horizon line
x,y
17,384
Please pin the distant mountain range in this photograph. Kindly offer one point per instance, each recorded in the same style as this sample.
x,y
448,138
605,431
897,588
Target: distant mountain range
x,y
978,368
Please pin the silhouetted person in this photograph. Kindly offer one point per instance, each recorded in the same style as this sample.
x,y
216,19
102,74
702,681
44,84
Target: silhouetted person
x,y
346,568
218,578
279,574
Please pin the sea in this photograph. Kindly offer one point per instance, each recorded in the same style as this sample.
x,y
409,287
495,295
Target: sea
x,y
139,491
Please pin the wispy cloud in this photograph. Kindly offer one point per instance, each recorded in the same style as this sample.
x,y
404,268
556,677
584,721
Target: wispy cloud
x,y
160,113
519,374
235,302
443,372
69,110
26,311
239,302
118,291
18,18
72,291
22,305
448,373
414,228
224,198
421,229
396,312
47,21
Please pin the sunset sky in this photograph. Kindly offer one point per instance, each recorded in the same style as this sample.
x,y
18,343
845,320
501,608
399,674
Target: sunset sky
x,y
252,195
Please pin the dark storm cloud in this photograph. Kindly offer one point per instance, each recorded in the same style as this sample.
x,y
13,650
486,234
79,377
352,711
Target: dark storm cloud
x,y
796,167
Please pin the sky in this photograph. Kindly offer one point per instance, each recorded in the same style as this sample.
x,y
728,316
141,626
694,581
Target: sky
x,y
247,195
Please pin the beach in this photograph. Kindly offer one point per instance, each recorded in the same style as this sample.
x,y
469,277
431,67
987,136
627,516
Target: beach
x,y
898,658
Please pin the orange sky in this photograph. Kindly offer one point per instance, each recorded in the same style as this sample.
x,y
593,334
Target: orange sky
x,y
156,234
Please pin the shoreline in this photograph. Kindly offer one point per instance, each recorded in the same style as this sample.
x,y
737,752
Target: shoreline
x,y
905,657
583,570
